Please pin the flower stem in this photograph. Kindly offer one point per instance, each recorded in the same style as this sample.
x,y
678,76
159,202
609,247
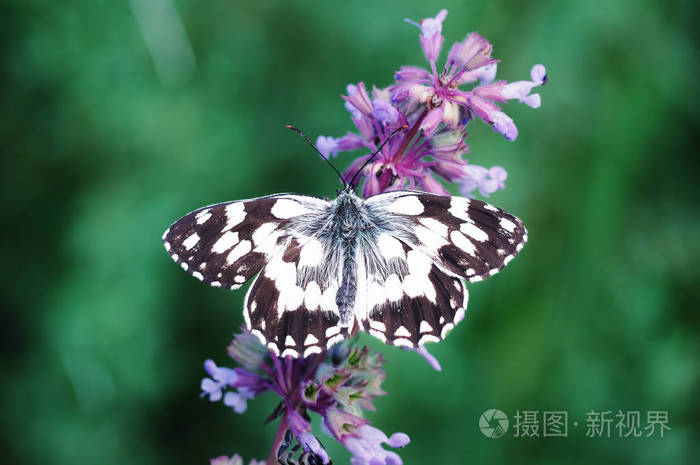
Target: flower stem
x,y
410,135
279,438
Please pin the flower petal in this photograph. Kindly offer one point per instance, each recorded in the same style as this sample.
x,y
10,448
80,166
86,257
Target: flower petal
x,y
237,401
431,121
384,112
504,124
327,145
412,73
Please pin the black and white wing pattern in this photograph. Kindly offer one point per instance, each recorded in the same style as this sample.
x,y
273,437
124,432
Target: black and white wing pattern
x,y
291,305
414,278
394,265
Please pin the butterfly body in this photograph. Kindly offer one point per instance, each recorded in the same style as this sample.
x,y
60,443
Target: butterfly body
x,y
394,264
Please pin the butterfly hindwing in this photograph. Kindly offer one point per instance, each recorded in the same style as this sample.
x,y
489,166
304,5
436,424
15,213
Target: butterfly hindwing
x,y
291,306
420,305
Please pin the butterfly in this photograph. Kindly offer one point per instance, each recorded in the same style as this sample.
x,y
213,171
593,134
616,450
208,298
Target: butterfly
x,y
394,264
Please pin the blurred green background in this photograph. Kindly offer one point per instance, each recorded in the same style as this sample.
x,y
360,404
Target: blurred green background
x,y
118,117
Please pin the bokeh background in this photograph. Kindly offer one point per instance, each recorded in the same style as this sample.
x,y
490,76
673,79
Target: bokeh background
x,y
117,117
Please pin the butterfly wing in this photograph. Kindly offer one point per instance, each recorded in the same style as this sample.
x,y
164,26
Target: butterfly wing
x,y
226,244
436,243
291,305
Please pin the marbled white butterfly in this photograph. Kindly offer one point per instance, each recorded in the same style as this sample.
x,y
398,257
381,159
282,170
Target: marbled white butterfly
x,y
393,264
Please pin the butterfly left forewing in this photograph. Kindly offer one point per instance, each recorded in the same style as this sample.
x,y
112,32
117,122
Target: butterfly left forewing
x,y
226,244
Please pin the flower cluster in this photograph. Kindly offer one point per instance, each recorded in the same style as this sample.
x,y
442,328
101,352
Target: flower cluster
x,y
436,108
338,386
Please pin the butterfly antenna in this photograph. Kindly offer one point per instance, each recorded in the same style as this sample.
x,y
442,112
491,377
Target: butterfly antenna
x,y
289,126
352,181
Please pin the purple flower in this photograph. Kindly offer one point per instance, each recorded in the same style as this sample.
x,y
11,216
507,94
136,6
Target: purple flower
x,y
366,447
233,460
338,386
221,378
487,181
467,62
410,159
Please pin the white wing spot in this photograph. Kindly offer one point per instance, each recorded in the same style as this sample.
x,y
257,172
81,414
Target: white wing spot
x,y
332,331
311,253
490,207
273,347
290,352
470,229
225,242
507,225
216,283
203,216
312,296
289,341
239,279
402,342
446,329
184,266
378,325
310,340
176,257
257,333
167,246
458,208
198,275
191,241
425,327
390,247
442,319
507,260
312,350
459,316
429,238
401,331
406,205
235,214
165,233
428,338
287,208
434,225
392,288
462,242
262,232
241,249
